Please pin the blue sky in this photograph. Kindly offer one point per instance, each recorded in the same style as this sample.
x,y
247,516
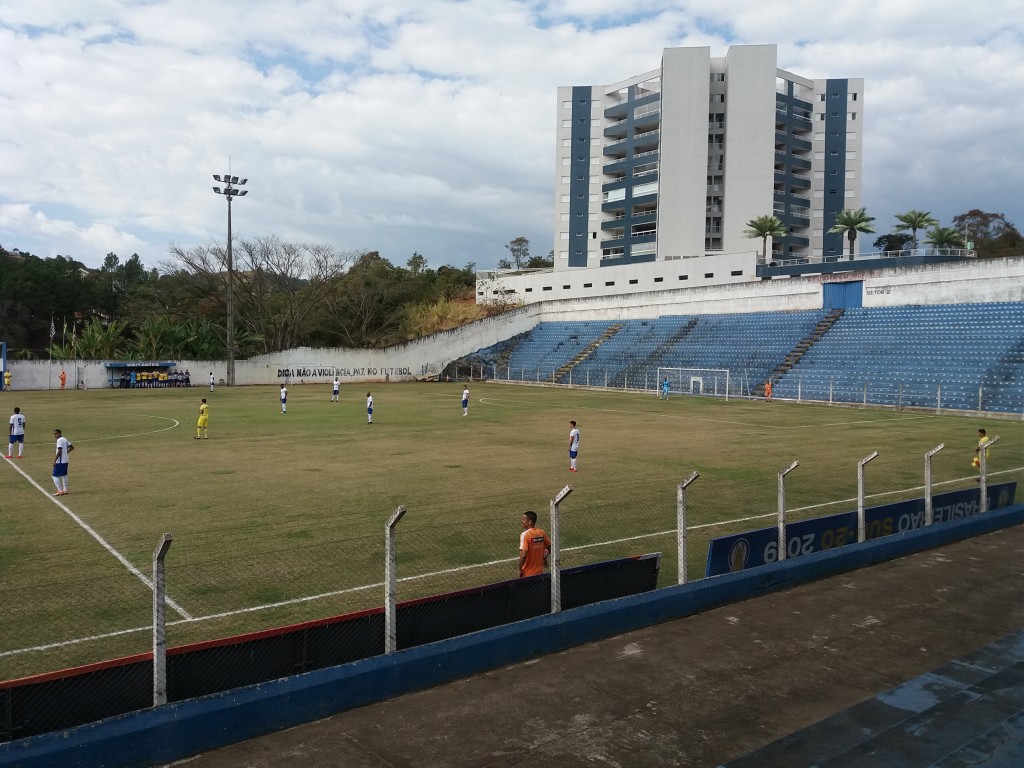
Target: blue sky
x,y
428,125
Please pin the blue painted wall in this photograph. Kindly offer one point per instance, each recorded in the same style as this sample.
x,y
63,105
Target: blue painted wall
x,y
175,731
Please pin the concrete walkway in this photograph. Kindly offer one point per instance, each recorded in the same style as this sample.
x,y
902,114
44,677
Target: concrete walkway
x,y
700,691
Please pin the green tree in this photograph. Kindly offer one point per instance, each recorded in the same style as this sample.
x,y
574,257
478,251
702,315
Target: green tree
x,y
765,227
913,221
944,237
850,221
894,241
519,250
992,235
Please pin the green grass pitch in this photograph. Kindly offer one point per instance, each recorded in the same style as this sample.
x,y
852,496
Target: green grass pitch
x,y
279,518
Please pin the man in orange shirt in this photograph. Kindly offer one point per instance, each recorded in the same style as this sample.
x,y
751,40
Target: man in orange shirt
x,y
534,546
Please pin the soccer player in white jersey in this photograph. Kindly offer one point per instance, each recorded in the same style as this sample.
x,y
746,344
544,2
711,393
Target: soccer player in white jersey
x,y
284,399
60,463
465,401
369,408
574,446
17,434
336,391
212,380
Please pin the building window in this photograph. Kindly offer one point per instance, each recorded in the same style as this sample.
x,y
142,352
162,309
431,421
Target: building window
x,y
633,282
582,138
821,97
853,96
596,122
584,101
851,135
546,288
736,272
479,293
529,290
566,161
588,285
565,198
564,235
851,115
564,217
609,284
684,277
709,274
567,123
566,287
851,155
566,142
851,193
565,179
821,115
566,105
659,279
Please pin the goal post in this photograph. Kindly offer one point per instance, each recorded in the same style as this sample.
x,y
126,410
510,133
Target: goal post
x,y
707,382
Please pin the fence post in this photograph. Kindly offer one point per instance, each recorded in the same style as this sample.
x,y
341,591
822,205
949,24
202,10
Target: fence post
x,y
861,527
556,551
929,512
865,393
390,582
938,399
800,389
606,378
782,509
647,381
900,406
983,477
588,377
159,622
681,557
830,382
979,397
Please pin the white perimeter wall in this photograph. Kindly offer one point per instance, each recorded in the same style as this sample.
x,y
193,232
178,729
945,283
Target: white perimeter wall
x,y
984,281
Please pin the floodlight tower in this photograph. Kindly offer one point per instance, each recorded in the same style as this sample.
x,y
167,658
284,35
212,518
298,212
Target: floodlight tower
x,y
230,191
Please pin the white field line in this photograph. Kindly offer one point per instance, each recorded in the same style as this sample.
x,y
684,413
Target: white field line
x,y
446,571
688,417
174,425
92,532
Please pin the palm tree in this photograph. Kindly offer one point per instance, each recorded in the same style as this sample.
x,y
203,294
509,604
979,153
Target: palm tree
x,y
765,227
851,221
915,220
944,237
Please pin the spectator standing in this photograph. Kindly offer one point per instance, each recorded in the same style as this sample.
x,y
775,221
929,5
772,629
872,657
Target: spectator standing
x,y
63,380
534,546
768,391
7,379
369,408
336,391
574,446
60,463
204,420
465,401
284,399
212,380
17,434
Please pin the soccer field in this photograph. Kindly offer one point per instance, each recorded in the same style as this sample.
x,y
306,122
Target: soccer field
x,y
279,518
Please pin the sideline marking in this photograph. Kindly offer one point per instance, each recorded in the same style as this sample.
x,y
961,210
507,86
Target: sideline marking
x,y
377,585
689,417
92,532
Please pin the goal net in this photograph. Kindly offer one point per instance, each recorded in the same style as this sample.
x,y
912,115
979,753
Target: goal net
x,y
709,382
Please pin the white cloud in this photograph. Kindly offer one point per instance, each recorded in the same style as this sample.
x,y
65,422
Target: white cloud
x,y
402,125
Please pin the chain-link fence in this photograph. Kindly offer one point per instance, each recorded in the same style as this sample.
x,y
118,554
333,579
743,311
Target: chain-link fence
x,y
936,393
267,611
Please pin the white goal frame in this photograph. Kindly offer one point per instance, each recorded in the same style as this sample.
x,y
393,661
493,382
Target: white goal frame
x,y
704,382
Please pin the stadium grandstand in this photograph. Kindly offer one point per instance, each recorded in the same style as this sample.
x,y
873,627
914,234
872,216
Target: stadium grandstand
x,y
839,335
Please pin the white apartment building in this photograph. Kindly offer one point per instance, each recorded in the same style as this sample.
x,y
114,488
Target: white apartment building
x,y
674,162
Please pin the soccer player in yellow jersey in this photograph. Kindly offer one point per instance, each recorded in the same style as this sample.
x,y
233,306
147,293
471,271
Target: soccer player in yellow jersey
x,y
204,418
534,546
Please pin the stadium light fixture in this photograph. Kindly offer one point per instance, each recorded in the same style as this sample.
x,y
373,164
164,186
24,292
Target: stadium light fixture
x,y
230,191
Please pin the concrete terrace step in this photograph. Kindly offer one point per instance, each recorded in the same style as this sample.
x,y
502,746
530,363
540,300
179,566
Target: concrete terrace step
x,y
969,712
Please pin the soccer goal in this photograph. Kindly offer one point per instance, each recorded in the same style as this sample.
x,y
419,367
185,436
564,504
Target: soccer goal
x,y
709,382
